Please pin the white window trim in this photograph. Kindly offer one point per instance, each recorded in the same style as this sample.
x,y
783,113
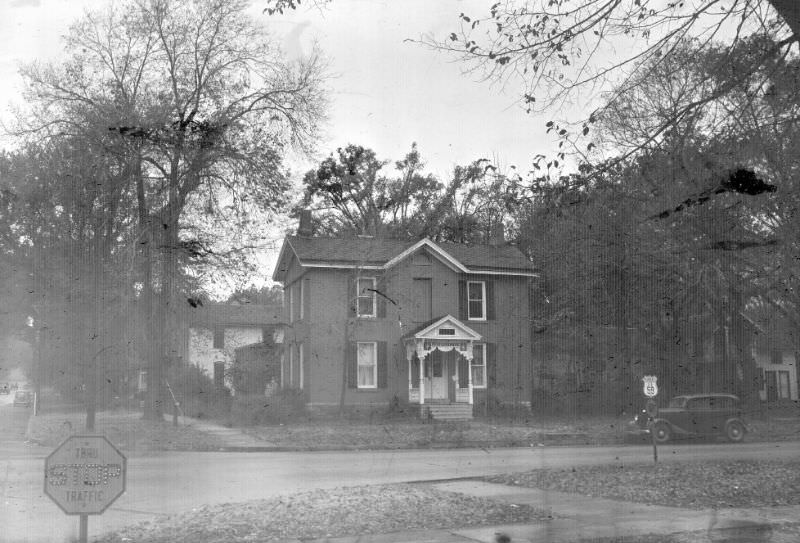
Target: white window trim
x,y
373,296
482,346
374,344
483,301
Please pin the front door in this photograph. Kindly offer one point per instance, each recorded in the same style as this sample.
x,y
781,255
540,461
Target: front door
x,y
435,377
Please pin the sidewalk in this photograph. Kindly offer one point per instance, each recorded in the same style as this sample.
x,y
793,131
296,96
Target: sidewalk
x,y
232,438
577,517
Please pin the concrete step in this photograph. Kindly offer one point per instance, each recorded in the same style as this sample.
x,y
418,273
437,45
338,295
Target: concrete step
x,y
447,411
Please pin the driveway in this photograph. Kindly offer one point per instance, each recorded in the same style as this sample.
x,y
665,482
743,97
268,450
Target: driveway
x,y
168,483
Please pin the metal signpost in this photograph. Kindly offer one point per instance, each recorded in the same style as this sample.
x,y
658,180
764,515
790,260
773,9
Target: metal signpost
x,y
651,391
84,475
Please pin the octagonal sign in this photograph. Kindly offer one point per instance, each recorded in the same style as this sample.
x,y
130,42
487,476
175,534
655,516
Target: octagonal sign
x,y
84,475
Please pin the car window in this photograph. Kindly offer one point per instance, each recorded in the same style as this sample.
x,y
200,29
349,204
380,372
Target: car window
x,y
677,402
699,403
723,403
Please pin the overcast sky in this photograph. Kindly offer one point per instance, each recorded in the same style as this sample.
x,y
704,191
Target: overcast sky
x,y
387,92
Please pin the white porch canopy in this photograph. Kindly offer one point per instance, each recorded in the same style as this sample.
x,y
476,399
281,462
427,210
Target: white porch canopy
x,y
445,334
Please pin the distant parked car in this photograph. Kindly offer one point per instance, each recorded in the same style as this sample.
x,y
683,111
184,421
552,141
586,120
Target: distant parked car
x,y
4,388
693,415
23,398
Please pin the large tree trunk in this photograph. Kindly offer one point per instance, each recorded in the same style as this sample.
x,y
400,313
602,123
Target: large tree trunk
x,y
152,408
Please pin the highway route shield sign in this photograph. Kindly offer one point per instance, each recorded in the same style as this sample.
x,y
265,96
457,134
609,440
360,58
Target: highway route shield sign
x,y
650,386
84,475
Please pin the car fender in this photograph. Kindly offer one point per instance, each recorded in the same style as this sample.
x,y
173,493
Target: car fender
x,y
675,428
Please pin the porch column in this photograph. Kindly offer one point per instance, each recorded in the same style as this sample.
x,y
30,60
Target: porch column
x,y
421,377
410,380
470,351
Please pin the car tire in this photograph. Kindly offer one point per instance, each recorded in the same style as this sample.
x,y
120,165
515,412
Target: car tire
x,y
734,431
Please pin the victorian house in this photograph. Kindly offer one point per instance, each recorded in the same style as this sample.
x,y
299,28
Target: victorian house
x,y
370,322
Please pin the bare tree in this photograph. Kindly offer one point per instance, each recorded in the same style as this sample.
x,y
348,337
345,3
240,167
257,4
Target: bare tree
x,y
201,104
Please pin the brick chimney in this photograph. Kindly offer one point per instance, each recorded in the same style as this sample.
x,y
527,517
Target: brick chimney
x,y
497,235
304,228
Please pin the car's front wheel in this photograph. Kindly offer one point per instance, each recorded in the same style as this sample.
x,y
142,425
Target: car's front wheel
x,y
661,432
734,431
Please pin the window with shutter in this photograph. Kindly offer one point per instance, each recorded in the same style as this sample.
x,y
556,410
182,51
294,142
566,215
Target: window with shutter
x,y
476,300
366,303
478,366
367,370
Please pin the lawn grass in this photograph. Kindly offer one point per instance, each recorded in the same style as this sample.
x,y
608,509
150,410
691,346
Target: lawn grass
x,y
126,430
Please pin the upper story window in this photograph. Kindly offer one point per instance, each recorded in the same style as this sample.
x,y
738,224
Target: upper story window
x,y
366,305
300,300
291,302
476,300
219,337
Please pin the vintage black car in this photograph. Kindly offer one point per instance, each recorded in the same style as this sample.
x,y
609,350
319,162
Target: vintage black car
x,y
693,415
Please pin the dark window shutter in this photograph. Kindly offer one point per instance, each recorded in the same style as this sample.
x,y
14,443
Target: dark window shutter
x,y
352,299
351,361
380,296
491,364
490,300
462,300
463,372
383,366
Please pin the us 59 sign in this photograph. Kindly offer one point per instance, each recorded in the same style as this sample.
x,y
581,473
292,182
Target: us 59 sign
x,y
84,475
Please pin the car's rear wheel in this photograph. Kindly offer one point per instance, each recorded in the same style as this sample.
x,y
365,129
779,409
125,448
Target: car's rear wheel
x,y
734,431
661,432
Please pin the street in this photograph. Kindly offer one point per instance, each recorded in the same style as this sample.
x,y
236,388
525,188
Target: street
x,y
168,483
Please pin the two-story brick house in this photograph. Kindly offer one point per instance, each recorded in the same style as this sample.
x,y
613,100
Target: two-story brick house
x,y
373,321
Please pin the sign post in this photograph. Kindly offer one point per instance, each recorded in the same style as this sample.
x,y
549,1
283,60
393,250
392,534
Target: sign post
x,y
84,476
651,391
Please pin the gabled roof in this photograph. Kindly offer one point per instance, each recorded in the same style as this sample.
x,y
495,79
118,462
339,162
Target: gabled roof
x,y
430,330
210,315
380,254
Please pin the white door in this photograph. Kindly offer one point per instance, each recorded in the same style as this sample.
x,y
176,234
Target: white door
x,y
435,379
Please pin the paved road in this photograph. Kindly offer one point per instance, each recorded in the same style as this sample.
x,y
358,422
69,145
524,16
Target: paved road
x,y
172,482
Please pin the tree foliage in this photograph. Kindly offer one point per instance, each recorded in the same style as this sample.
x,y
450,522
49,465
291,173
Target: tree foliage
x,y
184,111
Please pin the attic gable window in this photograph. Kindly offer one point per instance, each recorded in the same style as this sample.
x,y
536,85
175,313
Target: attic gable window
x,y
366,304
476,300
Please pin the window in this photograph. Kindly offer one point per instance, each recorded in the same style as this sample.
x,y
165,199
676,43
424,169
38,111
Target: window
x,y
476,300
366,306
291,303
478,366
219,375
219,337
301,298
300,362
367,365
775,357
291,366
783,385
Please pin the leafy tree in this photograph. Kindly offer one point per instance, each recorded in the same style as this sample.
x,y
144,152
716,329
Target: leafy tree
x,y
198,107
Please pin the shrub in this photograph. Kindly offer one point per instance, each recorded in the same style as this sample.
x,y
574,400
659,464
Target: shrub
x,y
195,391
254,409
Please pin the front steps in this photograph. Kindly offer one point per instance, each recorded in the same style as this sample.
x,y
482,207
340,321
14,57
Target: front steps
x,y
446,411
